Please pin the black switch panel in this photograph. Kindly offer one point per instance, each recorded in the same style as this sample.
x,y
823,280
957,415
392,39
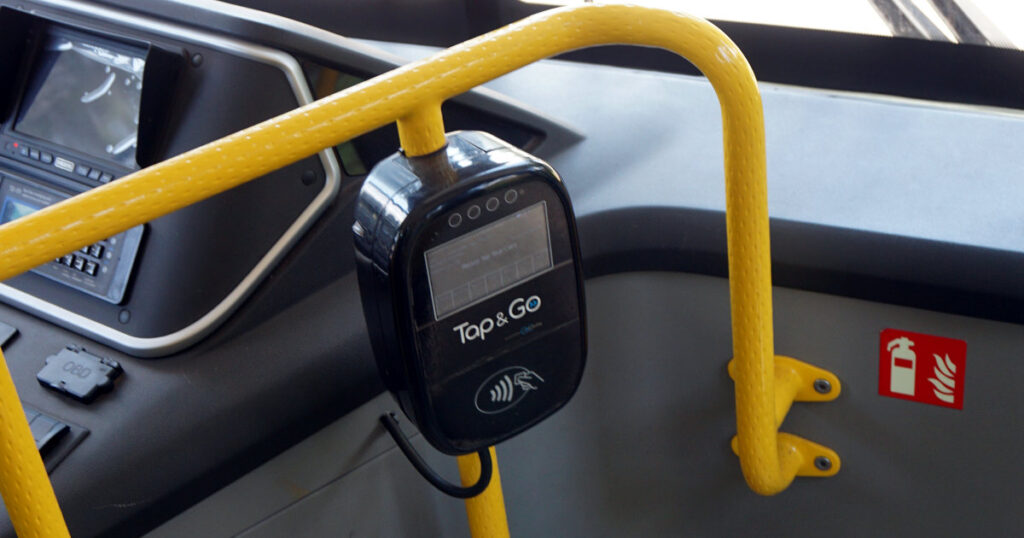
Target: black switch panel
x,y
79,374
54,438
46,430
6,333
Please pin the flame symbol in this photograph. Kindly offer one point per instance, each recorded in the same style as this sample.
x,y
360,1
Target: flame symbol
x,y
944,381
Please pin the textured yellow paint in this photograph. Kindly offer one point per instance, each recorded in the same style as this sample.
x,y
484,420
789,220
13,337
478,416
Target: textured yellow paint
x,y
794,382
486,511
801,455
404,93
422,132
24,483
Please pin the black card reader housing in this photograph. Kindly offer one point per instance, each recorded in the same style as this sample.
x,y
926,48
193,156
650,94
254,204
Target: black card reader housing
x,y
477,324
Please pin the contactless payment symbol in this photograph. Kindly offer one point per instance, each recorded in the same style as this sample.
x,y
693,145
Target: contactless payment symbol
x,y
922,367
505,389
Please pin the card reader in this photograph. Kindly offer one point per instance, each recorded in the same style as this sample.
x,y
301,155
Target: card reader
x,y
469,272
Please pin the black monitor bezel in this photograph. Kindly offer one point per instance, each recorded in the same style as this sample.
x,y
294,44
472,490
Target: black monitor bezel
x,y
29,74
22,35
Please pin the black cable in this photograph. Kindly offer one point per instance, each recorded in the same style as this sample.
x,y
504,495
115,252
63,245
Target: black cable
x,y
436,480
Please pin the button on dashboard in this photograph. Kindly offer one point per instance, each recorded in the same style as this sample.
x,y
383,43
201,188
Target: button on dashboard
x,y
63,164
79,374
45,429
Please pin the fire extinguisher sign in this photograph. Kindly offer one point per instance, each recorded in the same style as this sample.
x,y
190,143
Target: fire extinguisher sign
x,y
922,367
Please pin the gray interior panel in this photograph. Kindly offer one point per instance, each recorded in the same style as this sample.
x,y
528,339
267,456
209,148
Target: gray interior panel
x,y
643,448
308,490
872,163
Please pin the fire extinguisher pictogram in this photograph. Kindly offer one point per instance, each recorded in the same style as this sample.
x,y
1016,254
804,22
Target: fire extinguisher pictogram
x,y
903,365
906,368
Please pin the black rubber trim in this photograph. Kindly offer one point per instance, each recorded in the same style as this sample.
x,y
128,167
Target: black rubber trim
x,y
944,277
895,18
961,24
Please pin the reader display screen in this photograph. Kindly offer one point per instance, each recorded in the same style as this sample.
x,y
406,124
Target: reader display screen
x,y
84,94
484,262
15,209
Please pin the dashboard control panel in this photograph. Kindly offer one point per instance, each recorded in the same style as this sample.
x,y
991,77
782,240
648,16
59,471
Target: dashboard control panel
x,y
73,119
101,269
91,96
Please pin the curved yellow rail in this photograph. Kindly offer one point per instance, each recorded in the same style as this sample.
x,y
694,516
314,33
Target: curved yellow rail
x,y
411,93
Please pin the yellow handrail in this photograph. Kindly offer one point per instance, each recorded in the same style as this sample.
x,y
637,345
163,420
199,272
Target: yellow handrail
x,y
422,133
486,512
24,484
412,92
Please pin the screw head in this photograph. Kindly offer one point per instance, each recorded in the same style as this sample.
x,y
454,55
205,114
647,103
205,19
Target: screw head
x,y
823,463
823,386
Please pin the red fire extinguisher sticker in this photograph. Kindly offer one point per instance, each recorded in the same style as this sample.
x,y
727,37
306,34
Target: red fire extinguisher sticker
x,y
921,367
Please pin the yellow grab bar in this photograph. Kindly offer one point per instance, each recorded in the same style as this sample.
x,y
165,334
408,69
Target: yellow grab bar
x,y
422,133
24,484
486,512
764,392
412,92
404,93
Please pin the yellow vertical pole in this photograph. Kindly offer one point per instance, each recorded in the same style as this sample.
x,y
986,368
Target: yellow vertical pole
x,y
24,483
486,511
422,133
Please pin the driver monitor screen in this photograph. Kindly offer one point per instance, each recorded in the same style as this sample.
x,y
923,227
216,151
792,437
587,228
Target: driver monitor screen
x,y
84,95
484,262
15,209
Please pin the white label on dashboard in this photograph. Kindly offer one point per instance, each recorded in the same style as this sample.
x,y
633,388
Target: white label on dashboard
x,y
64,164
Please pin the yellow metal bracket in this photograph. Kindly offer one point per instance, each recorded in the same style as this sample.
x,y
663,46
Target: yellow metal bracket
x,y
412,95
797,381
